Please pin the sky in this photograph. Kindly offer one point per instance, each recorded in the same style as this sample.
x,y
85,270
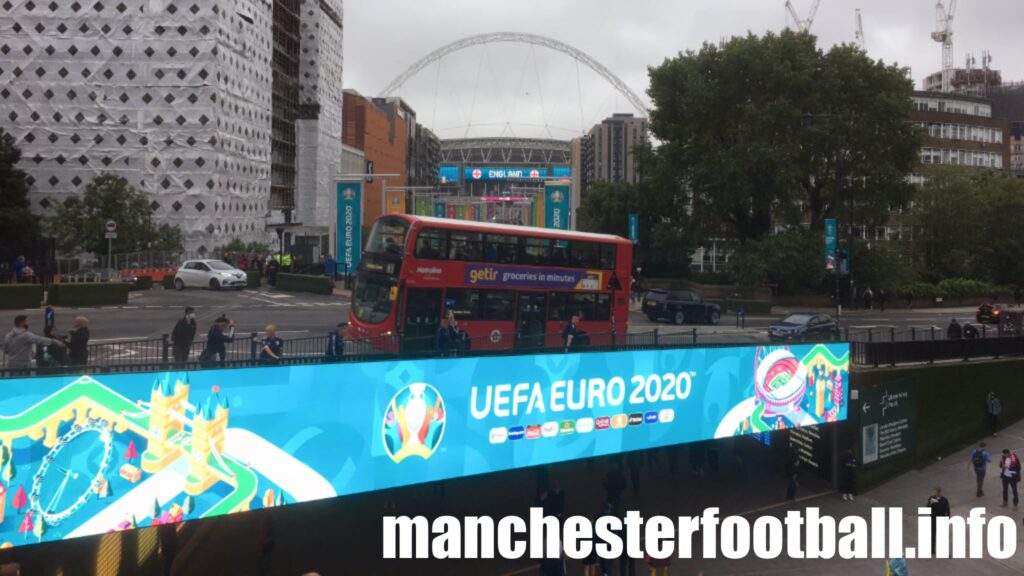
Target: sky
x,y
512,89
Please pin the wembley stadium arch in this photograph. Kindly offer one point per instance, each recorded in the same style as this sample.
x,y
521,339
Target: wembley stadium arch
x,y
501,178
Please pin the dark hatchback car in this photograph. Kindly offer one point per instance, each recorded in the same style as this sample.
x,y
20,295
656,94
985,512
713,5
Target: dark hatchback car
x,y
679,306
990,313
805,326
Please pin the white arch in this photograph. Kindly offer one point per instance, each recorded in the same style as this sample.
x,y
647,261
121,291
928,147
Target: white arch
x,y
521,38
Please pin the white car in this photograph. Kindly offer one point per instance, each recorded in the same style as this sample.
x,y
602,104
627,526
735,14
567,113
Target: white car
x,y
212,274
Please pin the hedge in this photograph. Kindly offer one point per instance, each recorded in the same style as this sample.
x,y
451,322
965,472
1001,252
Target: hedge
x,y
20,296
748,306
88,294
168,282
252,278
950,409
144,282
304,283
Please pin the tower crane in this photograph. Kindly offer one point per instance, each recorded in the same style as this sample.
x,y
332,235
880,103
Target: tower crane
x,y
803,25
859,33
944,35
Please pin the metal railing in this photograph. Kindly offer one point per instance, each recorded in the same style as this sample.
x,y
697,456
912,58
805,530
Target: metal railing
x,y
876,348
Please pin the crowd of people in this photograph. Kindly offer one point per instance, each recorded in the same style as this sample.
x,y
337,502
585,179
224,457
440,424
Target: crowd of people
x,y
53,348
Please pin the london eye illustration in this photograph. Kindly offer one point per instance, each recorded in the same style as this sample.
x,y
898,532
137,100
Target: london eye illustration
x,y
63,476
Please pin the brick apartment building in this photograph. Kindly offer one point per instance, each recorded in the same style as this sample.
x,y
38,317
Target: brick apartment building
x,y
384,140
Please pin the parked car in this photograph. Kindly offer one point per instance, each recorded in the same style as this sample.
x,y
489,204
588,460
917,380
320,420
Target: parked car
x,y
804,326
679,306
94,274
212,274
990,313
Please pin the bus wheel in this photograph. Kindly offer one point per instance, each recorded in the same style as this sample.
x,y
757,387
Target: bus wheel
x,y
679,318
714,318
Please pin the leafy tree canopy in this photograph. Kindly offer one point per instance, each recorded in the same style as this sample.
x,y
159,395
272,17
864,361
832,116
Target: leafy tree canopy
x,y
760,129
19,228
78,224
238,246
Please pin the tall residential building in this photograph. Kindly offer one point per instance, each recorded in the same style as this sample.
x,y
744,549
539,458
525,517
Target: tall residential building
x,y
383,138
608,150
1017,149
961,130
174,95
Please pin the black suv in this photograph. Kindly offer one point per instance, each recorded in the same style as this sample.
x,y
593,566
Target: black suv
x,y
679,306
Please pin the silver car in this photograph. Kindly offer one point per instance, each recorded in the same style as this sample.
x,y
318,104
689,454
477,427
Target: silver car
x,y
212,274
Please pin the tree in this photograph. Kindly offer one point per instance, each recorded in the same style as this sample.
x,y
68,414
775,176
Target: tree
x,y
19,228
79,221
794,261
10,471
968,225
131,453
20,499
760,129
39,529
237,246
26,524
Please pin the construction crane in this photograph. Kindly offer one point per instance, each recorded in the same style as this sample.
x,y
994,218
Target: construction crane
x,y
858,35
944,34
803,25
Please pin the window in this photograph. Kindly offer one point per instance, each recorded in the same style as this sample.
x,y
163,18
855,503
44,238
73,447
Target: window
x,y
464,245
388,235
535,251
464,304
371,299
594,307
556,306
501,248
559,253
432,243
497,305
608,256
584,254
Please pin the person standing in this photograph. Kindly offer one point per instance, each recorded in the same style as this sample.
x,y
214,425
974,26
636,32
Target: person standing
x,y
78,338
272,347
443,340
979,461
848,479
909,296
1009,466
571,331
220,335
869,297
19,341
183,335
330,267
939,507
336,341
954,331
994,408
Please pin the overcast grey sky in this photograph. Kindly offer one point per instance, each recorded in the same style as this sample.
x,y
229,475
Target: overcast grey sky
x,y
513,89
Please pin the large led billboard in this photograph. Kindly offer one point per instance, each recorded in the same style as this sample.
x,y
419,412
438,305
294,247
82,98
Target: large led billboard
x,y
90,454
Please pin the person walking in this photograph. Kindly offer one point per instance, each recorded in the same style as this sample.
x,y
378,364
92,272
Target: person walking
x,y
954,331
336,341
940,507
78,342
909,297
993,407
1009,466
272,347
183,335
869,297
980,459
969,331
848,478
220,335
19,341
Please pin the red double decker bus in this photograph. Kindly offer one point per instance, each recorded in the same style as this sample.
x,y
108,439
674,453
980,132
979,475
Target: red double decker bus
x,y
507,286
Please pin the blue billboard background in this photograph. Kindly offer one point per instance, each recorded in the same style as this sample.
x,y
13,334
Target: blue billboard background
x,y
449,174
493,173
111,452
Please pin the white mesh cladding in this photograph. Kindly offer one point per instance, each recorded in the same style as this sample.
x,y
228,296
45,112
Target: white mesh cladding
x,y
153,90
320,83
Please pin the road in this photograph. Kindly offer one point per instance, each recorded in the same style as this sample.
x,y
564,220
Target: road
x,y
153,313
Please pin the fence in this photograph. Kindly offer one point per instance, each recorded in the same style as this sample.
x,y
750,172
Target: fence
x,y
876,348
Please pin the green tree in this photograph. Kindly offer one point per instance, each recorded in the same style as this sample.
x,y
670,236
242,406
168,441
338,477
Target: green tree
x,y
238,246
946,215
19,228
760,129
794,261
78,224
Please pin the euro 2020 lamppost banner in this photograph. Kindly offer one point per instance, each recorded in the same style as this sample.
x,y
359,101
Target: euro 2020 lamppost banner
x,y
349,227
92,454
556,205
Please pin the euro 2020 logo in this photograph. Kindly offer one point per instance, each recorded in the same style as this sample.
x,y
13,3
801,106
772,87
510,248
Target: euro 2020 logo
x,y
414,422
348,194
556,197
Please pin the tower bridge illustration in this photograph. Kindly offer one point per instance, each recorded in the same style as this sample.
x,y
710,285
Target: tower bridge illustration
x,y
179,436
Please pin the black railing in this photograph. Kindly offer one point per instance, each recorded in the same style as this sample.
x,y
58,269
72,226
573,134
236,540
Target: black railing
x,y
875,347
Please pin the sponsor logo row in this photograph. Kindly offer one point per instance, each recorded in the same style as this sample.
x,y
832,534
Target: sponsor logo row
x,y
579,426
